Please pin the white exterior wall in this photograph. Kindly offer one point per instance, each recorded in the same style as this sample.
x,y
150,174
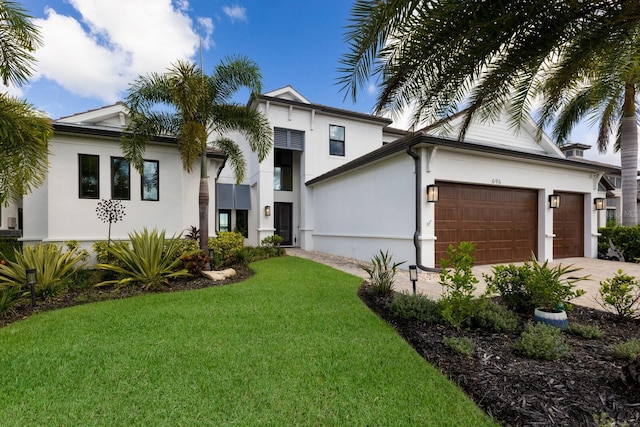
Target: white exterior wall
x,y
56,213
368,210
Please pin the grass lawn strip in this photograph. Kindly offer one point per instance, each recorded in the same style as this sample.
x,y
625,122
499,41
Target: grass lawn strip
x,y
293,345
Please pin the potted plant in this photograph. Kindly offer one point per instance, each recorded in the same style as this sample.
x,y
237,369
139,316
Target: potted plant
x,y
550,290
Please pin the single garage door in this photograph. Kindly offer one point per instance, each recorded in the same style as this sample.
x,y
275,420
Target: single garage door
x,y
568,226
502,222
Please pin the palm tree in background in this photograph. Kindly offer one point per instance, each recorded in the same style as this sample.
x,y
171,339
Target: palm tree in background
x,y
194,107
605,92
435,58
24,131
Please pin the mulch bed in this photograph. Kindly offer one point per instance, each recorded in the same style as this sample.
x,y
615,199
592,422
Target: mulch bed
x,y
24,310
518,391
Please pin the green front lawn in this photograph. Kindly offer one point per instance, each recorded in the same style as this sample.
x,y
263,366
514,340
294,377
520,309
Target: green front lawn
x,y
293,345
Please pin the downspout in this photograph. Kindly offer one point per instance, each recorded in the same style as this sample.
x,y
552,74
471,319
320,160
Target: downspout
x,y
418,233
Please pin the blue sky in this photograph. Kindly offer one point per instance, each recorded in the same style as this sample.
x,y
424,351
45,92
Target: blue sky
x,y
93,49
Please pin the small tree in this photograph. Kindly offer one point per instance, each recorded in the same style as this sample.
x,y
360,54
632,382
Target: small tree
x,y
110,211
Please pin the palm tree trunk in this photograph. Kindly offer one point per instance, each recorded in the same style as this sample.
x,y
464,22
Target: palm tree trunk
x,y
203,207
629,158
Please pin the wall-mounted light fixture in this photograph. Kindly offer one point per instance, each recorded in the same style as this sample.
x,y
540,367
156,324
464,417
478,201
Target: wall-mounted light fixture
x,y
413,276
599,203
432,193
267,210
554,201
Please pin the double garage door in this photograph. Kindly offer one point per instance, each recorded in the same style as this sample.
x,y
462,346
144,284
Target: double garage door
x,y
503,222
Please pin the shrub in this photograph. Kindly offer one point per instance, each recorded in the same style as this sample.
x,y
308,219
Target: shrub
x,y
510,282
9,296
535,285
626,240
224,248
463,346
195,262
416,307
620,295
493,316
273,242
51,265
588,332
8,246
100,249
458,283
627,350
382,273
540,341
151,260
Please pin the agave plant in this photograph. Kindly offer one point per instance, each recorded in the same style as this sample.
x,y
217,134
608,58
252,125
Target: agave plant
x,y
382,273
52,265
150,260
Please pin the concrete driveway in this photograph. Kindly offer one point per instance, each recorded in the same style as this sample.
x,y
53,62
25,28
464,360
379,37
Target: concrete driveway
x,y
428,283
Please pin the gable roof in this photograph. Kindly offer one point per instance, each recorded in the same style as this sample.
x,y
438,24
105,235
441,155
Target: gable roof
x,y
497,133
288,96
115,115
422,138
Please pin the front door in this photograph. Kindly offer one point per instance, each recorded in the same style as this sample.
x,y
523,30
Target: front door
x,y
283,222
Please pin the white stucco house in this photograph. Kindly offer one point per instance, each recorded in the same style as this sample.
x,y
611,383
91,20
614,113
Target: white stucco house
x,y
86,166
336,181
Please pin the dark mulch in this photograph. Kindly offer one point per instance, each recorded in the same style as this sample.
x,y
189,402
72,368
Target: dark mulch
x,y
24,310
518,391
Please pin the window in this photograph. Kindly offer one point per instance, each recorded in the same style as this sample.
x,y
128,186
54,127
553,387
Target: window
x,y
242,223
151,180
120,179
283,170
336,140
89,176
224,220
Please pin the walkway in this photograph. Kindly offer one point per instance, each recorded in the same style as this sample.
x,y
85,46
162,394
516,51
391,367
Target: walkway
x,y
428,283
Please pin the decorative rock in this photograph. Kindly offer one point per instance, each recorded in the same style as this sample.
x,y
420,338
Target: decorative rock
x,y
220,275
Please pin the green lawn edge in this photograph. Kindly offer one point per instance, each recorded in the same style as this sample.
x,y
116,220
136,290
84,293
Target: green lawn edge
x,y
292,345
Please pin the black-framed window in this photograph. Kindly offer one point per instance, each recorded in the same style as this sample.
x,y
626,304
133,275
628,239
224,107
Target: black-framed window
x,y
336,140
150,180
120,179
88,176
283,170
242,222
224,220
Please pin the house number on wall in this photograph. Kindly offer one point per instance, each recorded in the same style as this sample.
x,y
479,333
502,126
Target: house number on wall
x,y
496,181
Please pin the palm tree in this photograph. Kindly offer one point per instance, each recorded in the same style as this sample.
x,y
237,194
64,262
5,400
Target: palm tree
x,y
194,107
24,131
437,58
19,39
605,91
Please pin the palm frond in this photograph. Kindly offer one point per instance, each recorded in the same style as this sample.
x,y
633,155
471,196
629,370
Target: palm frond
x,y
235,157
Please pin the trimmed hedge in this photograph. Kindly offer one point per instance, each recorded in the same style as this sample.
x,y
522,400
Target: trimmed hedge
x,y
626,240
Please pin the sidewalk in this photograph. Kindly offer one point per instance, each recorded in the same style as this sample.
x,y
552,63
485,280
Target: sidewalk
x,y
428,283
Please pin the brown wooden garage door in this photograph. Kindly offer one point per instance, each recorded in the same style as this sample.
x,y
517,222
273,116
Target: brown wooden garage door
x,y
502,222
568,226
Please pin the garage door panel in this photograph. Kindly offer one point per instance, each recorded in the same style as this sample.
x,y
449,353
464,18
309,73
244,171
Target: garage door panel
x,y
501,221
568,226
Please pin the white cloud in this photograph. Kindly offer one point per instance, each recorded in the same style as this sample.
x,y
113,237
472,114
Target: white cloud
x,y
111,42
11,90
206,26
235,12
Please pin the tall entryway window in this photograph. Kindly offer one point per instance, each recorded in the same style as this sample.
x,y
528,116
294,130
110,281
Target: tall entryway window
x,y
283,222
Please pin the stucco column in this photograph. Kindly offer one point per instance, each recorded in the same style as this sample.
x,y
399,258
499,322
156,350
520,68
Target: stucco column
x,y
545,225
